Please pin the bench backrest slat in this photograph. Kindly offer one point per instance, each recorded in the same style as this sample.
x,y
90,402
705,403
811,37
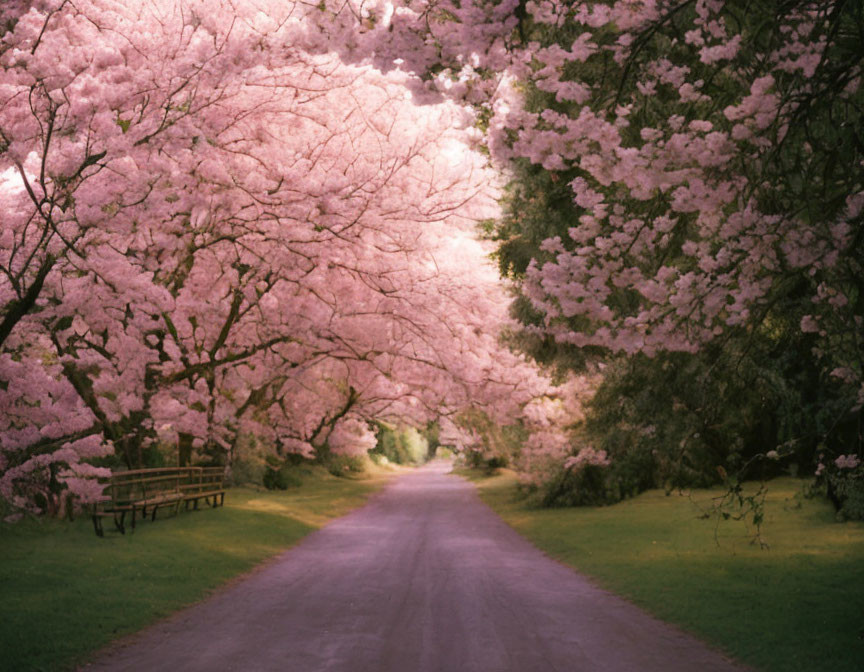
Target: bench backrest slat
x,y
126,486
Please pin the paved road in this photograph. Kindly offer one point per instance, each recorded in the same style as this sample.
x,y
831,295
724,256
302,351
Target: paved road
x,y
424,578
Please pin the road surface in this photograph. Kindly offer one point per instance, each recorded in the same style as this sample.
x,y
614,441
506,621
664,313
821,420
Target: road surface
x,y
424,578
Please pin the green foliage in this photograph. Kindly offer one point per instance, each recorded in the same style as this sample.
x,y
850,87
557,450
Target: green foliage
x,y
281,477
402,445
796,607
846,490
488,463
346,465
853,498
153,456
588,486
289,471
476,459
248,461
444,453
680,420
739,501
500,445
431,433
672,420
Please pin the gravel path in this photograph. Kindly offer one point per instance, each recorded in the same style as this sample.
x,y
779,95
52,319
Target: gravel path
x,y
424,578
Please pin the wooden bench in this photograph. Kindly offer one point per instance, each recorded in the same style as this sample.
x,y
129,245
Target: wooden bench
x,y
144,491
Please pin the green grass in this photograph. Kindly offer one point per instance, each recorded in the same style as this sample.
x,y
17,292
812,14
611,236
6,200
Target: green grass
x,y
798,605
64,592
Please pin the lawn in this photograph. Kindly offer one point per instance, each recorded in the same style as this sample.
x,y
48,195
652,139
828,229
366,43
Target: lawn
x,y
798,605
64,592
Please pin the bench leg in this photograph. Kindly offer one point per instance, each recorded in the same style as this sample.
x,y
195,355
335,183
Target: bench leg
x,y
97,525
119,522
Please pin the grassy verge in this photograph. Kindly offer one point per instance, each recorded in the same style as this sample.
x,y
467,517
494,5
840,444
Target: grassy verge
x,y
797,606
65,593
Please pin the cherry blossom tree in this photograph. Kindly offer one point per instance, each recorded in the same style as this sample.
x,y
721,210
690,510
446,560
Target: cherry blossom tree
x,y
214,228
686,180
668,121
555,443
225,218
